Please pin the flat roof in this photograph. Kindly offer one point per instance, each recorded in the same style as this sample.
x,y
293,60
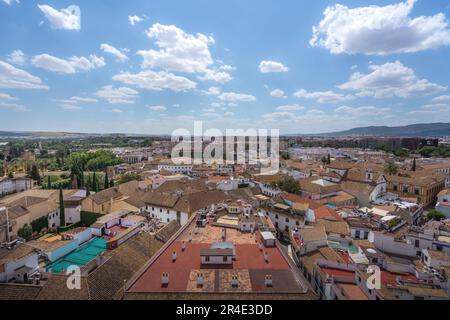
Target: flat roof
x,y
248,266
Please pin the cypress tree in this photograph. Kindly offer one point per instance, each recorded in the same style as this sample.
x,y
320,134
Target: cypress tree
x,y
87,191
34,174
106,182
89,182
62,216
94,183
111,183
49,182
414,164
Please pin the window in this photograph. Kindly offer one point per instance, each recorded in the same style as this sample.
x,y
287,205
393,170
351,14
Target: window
x,y
357,234
225,258
405,189
168,220
395,187
207,258
160,210
416,243
287,220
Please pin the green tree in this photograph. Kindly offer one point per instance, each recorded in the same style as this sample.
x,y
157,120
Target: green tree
x,y
88,192
111,183
26,232
390,168
414,165
34,174
435,215
328,159
94,183
62,213
106,181
76,170
289,184
49,182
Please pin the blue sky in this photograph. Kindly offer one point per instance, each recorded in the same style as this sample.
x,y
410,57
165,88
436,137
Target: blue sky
x,y
154,66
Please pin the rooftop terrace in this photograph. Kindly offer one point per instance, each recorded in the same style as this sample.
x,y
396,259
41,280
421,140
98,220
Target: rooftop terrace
x,y
249,266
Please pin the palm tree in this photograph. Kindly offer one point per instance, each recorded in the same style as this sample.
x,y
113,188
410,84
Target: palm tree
x,y
390,168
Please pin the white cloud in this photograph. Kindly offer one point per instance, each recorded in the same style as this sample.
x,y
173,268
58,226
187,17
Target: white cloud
x,y
233,105
272,66
217,76
70,66
442,98
292,107
379,30
134,19
14,78
70,107
178,50
115,111
323,96
83,99
114,51
157,81
17,57
68,18
232,96
157,108
389,80
4,96
212,91
13,107
10,2
122,95
279,116
277,93
364,111
228,114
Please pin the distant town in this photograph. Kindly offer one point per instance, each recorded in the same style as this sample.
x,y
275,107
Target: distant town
x,y
137,226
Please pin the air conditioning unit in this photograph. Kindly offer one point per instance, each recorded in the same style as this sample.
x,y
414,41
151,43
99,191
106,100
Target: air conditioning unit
x,y
200,280
234,281
268,282
165,279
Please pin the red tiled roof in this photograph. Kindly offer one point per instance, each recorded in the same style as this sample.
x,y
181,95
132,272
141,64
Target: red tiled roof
x,y
352,291
324,211
248,256
339,273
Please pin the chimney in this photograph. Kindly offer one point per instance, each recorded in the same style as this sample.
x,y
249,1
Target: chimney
x,y
174,256
268,280
183,246
266,257
224,234
234,281
200,280
190,237
165,279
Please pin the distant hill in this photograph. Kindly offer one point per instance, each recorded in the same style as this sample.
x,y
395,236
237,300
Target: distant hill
x,y
420,129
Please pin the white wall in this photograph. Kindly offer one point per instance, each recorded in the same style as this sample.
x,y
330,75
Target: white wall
x,y
9,274
72,214
216,260
167,215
